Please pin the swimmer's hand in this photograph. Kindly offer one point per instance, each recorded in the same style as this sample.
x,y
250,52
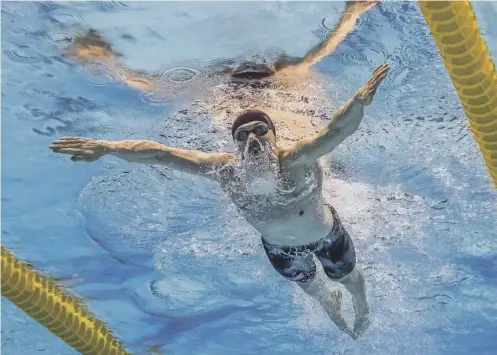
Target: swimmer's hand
x,y
81,149
89,46
359,6
366,93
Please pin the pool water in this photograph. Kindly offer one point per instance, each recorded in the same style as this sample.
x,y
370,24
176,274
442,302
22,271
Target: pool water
x,y
164,258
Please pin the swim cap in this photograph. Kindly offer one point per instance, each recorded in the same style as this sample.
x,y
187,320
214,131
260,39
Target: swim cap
x,y
251,116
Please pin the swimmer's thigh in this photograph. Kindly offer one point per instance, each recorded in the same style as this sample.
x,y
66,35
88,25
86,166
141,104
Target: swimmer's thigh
x,y
338,256
300,269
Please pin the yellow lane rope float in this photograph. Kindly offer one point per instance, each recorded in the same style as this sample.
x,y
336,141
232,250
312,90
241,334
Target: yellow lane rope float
x,y
466,57
62,313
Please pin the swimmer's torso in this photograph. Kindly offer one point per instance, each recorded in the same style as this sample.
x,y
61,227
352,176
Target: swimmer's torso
x,y
292,214
295,214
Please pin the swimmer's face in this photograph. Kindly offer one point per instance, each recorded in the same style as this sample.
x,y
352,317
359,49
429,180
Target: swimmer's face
x,y
254,139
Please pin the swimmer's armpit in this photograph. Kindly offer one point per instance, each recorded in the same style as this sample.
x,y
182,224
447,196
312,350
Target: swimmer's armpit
x,y
145,152
93,47
353,10
344,122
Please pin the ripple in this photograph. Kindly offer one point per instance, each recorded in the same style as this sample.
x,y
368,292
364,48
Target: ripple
x,y
365,20
180,75
113,5
368,54
65,18
22,55
63,37
322,31
47,6
410,54
178,81
100,73
12,16
156,99
404,8
19,29
9,14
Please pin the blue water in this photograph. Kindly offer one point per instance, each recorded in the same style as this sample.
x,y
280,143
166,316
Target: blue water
x,y
164,259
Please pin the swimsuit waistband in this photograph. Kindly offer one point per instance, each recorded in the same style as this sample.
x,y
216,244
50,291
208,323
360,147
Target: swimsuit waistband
x,y
332,236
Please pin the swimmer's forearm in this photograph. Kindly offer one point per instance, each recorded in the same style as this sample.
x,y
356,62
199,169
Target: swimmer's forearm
x,y
137,151
343,124
347,119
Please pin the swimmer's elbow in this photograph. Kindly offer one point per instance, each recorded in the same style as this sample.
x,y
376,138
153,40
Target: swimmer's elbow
x,y
325,142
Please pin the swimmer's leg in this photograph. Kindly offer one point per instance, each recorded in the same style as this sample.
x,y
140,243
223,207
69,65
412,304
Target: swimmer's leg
x,y
302,270
91,46
346,24
339,262
330,300
354,282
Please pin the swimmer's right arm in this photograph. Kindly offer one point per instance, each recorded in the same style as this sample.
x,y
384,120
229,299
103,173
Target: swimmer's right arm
x,y
142,151
91,46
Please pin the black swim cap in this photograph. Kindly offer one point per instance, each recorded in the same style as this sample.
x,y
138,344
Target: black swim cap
x,y
251,116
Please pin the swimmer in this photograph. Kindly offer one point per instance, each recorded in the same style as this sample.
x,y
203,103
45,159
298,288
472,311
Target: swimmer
x,y
279,192
92,46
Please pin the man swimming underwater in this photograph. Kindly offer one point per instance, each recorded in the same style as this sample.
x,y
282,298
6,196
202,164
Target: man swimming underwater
x,y
293,219
278,189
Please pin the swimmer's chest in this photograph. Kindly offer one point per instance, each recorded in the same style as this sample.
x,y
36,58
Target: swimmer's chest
x,y
294,192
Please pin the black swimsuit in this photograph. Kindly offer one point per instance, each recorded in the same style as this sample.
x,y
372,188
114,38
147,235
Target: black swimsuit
x,y
335,252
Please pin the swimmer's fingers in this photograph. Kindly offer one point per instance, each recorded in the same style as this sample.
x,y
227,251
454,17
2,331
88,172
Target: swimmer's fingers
x,y
76,145
74,139
74,151
378,75
71,142
363,6
81,149
367,92
83,144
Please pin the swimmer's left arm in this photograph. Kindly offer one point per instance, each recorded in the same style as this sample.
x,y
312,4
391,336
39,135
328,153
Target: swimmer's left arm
x,y
344,122
346,24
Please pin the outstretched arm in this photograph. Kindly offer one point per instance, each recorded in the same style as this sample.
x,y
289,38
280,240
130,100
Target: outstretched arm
x,y
141,151
353,10
344,122
92,46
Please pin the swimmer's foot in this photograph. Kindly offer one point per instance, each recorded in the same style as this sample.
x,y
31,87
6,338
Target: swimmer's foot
x,y
333,307
362,321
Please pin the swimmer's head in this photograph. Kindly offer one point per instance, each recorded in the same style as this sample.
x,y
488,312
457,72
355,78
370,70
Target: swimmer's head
x,y
251,70
254,133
